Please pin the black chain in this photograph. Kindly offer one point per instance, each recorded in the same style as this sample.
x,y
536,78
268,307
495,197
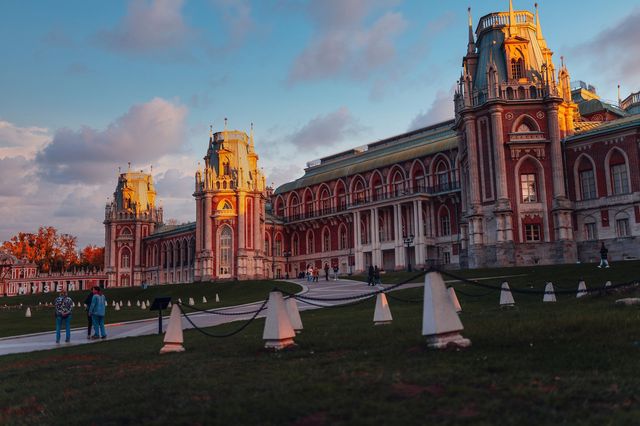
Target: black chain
x,y
209,311
342,305
206,333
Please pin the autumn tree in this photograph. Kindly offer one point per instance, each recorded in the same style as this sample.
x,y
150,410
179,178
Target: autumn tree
x,y
50,251
92,257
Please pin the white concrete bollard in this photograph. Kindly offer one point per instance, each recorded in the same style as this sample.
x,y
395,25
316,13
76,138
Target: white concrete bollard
x,y
113,303
148,303
549,293
191,301
128,303
454,299
582,289
106,304
440,322
382,313
278,332
217,298
179,301
169,305
294,314
143,306
117,308
173,338
137,303
607,284
204,299
28,313
506,298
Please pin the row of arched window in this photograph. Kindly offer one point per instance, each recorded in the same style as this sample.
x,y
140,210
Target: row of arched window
x,y
616,175
328,198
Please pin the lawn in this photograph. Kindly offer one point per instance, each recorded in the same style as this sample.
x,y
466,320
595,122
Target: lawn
x,y
12,317
572,362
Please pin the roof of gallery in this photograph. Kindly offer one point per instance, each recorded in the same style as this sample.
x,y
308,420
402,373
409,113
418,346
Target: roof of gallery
x,y
592,129
407,146
170,230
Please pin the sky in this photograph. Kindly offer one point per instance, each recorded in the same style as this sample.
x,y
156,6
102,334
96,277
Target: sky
x,y
88,87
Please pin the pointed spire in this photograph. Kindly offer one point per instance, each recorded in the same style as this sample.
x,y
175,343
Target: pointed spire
x,y
210,133
471,46
251,138
541,39
512,18
619,100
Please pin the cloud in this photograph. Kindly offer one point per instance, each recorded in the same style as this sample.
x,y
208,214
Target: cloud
x,y
282,174
326,130
616,46
174,183
441,109
145,133
21,141
236,17
345,43
16,175
149,26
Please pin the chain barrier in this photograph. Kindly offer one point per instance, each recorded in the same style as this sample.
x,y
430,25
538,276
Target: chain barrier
x,y
538,292
238,330
342,305
400,299
209,311
464,293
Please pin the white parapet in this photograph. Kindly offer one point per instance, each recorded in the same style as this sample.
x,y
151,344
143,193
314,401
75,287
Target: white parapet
x,y
173,338
582,289
382,314
506,298
440,322
454,299
291,307
278,332
549,293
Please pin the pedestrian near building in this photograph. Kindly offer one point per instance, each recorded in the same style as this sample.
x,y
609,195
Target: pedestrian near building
x,y
335,273
63,307
87,305
376,276
326,272
97,311
370,275
604,254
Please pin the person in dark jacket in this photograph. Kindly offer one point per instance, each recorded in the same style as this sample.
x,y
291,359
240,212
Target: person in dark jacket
x,y
604,254
87,304
370,276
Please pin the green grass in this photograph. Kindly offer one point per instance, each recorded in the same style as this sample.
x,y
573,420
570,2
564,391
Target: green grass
x,y
572,362
14,322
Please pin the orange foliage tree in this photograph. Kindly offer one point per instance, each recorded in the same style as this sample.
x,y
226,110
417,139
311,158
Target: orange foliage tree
x,y
92,257
49,250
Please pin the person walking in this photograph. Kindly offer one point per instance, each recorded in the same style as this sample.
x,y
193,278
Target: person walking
x,y
604,253
87,304
97,311
326,272
376,276
63,306
370,276
316,274
335,273
310,273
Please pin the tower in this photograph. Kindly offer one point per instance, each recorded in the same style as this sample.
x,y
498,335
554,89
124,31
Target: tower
x,y
230,196
129,217
511,114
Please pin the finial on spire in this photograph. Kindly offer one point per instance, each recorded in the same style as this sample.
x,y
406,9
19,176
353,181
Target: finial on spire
x,y
129,163
512,17
619,99
151,167
119,169
562,61
225,123
471,45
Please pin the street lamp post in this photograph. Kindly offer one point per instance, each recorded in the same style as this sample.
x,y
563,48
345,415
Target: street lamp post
x,y
407,243
286,254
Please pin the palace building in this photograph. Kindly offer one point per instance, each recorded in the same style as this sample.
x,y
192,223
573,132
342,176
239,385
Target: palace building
x,y
532,169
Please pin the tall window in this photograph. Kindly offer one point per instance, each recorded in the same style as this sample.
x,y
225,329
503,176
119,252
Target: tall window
x,y
587,184
398,184
619,179
326,241
622,227
517,68
445,224
342,238
532,232
278,245
267,245
325,202
225,251
310,242
124,262
590,231
295,245
442,177
528,188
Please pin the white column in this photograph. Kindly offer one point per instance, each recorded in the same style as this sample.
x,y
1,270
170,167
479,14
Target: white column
x,y
398,242
357,242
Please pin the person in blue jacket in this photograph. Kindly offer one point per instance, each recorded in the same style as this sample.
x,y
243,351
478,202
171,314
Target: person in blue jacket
x,y
97,311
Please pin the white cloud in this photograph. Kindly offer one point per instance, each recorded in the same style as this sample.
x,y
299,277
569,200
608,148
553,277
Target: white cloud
x,y
441,109
326,130
345,44
148,27
21,141
143,134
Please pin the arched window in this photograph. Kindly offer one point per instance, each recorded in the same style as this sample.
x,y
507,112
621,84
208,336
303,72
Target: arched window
x,y
308,203
376,185
359,196
586,179
125,257
397,184
442,176
295,245
528,183
278,244
326,240
517,68
618,173
294,205
267,245
341,196
310,242
444,221
342,237
226,247
325,201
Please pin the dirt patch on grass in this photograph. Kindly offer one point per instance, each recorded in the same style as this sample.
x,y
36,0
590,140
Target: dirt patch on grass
x,y
314,419
21,412
407,390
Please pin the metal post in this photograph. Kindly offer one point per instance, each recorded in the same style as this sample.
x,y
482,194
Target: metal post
x,y
407,242
160,321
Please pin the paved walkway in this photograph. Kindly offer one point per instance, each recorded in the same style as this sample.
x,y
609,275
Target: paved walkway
x,y
44,341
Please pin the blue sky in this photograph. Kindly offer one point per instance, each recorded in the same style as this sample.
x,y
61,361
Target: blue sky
x,y
89,86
